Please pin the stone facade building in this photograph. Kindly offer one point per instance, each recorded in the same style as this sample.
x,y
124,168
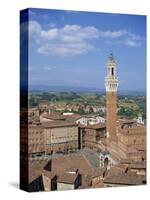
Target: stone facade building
x,y
60,137
50,137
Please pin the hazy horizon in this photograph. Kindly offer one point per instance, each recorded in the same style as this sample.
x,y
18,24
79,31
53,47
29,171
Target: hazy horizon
x,y
59,89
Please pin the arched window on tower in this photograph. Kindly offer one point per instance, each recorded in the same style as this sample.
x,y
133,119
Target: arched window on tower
x,y
112,71
106,162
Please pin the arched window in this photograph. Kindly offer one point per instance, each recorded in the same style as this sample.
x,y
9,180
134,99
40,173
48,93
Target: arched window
x,y
106,162
112,71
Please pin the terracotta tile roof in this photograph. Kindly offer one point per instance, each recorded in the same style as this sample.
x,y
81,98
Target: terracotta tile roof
x,y
118,176
96,126
92,157
39,168
134,164
90,116
55,124
33,174
65,163
37,164
122,179
54,116
72,117
67,178
99,172
125,161
73,169
137,165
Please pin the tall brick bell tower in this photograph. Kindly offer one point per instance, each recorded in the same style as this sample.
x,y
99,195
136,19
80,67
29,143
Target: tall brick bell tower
x,y
111,84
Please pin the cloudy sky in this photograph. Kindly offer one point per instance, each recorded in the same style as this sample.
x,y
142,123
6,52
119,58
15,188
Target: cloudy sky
x,y
69,48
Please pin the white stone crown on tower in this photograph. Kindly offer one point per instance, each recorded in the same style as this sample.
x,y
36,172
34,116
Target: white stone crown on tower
x,y
111,80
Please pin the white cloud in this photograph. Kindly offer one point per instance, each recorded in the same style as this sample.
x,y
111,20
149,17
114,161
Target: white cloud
x,y
75,40
129,39
34,27
80,32
131,43
63,49
134,40
66,41
34,32
51,34
113,34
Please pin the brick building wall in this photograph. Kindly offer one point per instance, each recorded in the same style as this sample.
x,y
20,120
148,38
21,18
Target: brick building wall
x,y
111,103
91,136
132,143
36,139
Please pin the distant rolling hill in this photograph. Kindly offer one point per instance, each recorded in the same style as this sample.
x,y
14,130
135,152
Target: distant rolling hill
x,y
40,88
